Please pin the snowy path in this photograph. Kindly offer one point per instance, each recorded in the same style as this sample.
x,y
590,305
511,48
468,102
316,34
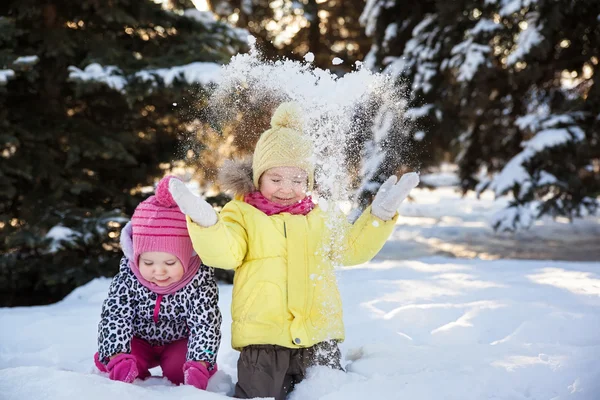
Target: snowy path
x,y
441,222
427,329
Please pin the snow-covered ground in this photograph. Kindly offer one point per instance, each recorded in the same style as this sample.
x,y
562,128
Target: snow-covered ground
x,y
434,317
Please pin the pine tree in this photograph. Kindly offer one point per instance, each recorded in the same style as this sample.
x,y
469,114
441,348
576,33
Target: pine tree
x,y
509,88
88,118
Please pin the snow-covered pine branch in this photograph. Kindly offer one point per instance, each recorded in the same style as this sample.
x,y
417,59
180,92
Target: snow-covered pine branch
x,y
532,188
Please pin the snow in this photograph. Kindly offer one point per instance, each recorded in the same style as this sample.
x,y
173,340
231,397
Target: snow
x,y
337,61
323,204
419,56
371,57
528,39
420,325
59,234
247,6
512,6
420,28
415,51
556,119
369,16
514,218
546,178
203,73
395,66
547,138
440,178
539,118
204,17
418,112
425,72
5,75
309,57
514,172
372,153
529,122
390,33
484,25
27,60
209,19
468,57
419,135
109,75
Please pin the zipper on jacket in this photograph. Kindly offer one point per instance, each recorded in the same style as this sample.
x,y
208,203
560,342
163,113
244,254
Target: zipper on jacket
x,y
157,308
284,230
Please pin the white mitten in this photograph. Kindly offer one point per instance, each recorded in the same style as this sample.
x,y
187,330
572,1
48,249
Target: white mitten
x,y
392,194
196,208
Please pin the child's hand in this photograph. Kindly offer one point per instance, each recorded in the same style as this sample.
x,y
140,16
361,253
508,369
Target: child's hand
x,y
196,373
122,367
196,208
391,194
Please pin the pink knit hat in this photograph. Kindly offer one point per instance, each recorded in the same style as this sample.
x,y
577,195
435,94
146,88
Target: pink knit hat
x,y
159,225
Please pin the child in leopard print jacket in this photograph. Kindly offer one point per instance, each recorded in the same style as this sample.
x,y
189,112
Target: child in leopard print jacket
x,y
161,307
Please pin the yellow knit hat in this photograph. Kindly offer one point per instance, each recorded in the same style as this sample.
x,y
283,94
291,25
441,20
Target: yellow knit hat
x,y
284,145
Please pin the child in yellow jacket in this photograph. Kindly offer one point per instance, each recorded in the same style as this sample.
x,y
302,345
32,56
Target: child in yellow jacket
x,y
286,307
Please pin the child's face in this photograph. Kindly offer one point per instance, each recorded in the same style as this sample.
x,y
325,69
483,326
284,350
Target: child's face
x,y
284,185
160,268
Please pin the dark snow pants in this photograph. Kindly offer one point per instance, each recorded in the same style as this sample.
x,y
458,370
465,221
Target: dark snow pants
x,y
272,371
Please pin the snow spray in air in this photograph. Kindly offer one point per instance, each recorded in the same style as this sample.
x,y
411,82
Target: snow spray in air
x,y
351,120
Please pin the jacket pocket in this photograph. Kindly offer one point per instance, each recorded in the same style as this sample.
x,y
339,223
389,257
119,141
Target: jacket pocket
x,y
261,315
326,309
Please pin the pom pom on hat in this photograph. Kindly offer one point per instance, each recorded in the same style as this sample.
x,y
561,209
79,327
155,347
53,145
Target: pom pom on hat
x,y
162,194
287,115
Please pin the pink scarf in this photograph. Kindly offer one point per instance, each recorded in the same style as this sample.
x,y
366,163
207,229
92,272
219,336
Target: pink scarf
x,y
188,275
265,205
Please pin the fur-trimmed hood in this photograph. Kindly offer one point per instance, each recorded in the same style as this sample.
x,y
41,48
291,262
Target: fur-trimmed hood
x,y
235,177
126,240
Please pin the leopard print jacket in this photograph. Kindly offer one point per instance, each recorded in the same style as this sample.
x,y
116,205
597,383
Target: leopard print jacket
x,y
191,312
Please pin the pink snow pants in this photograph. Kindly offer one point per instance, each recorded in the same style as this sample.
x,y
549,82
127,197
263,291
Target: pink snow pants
x,y
170,357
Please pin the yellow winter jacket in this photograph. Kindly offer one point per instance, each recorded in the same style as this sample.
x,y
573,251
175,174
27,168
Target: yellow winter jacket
x,y
284,289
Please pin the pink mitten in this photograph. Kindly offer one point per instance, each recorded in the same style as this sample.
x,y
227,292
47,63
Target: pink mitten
x,y
99,365
196,374
123,368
